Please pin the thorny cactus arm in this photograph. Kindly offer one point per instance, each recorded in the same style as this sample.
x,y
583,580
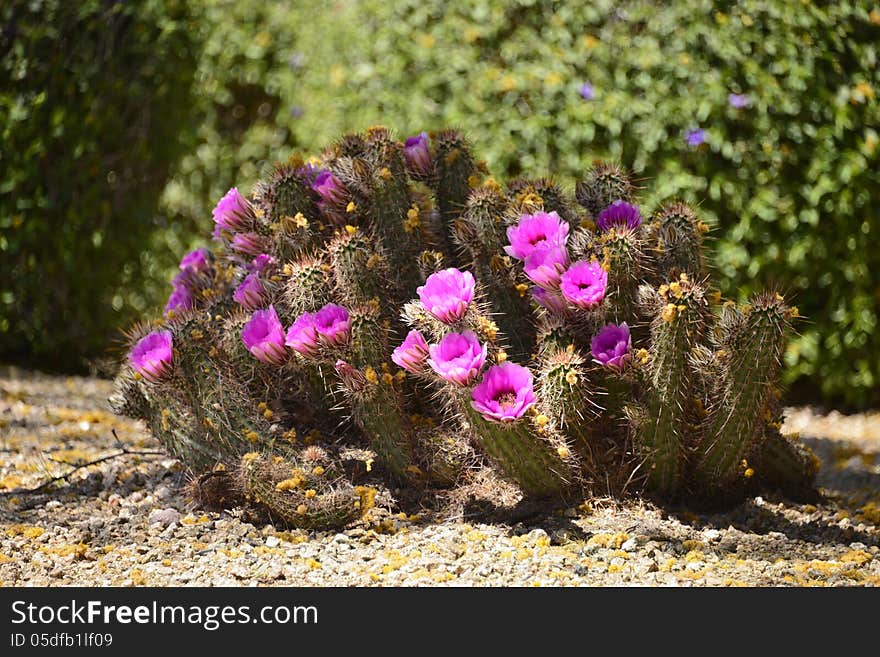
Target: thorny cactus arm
x,y
752,341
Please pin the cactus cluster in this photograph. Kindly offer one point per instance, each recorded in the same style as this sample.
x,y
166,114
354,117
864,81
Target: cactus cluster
x,y
389,315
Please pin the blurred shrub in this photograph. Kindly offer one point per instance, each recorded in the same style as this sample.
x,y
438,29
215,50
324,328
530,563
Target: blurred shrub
x,y
95,104
792,177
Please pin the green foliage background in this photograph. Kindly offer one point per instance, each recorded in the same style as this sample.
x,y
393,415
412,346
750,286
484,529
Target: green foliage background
x,y
92,122
790,182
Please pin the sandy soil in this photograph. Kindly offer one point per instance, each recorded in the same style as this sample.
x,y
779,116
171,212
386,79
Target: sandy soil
x,y
127,522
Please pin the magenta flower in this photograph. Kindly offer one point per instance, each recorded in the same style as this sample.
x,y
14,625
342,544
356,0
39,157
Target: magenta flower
x,y
696,137
619,213
329,188
411,353
351,378
233,212
584,284
152,356
263,336
552,301
180,299
249,244
333,324
447,294
417,152
458,358
739,101
533,231
302,336
544,266
587,91
250,294
195,261
262,263
505,393
611,346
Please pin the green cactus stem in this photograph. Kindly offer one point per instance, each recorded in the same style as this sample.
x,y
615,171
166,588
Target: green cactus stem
x,y
751,342
663,437
604,184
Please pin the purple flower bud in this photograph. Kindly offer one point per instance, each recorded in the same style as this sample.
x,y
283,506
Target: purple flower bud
x,y
262,263
554,302
611,346
739,100
196,261
447,294
352,378
333,324
587,91
250,294
329,188
417,152
411,353
534,231
696,137
544,266
152,356
249,243
505,393
458,358
619,213
233,212
180,299
584,284
302,336
263,336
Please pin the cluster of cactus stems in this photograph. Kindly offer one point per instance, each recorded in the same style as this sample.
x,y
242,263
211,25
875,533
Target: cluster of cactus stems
x,y
388,315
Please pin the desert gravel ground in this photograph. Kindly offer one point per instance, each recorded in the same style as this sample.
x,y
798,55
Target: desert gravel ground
x,y
126,521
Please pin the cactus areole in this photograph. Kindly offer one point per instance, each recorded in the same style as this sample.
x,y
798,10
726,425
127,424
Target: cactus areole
x,y
389,315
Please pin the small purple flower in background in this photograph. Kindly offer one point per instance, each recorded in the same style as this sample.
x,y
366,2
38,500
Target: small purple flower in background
x,y
505,393
544,266
552,301
180,299
447,294
458,358
302,336
611,346
233,212
333,324
619,213
196,261
584,284
262,263
250,294
586,91
411,353
249,244
152,356
739,100
417,152
263,336
696,137
329,188
533,231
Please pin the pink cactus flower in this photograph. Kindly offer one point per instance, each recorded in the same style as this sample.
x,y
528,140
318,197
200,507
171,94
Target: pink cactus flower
x,y
250,294
534,231
612,345
458,358
152,357
505,393
583,284
233,212
333,324
411,353
447,294
263,336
